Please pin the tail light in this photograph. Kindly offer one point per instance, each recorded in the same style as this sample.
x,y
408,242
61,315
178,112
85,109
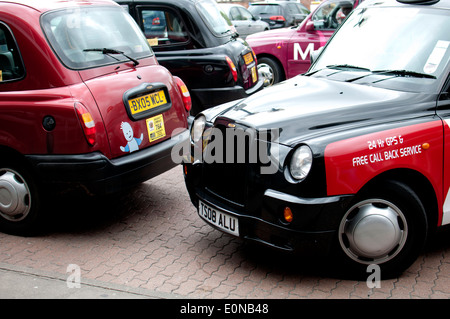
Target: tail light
x,y
185,95
232,68
254,57
87,123
277,18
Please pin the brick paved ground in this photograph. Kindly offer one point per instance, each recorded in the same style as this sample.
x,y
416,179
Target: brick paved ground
x,y
152,239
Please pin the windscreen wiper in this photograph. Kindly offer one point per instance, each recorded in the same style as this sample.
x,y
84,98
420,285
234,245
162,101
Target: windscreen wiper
x,y
400,73
339,67
347,66
404,73
108,51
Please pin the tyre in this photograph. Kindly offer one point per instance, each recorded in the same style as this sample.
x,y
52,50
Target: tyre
x,y
386,226
19,200
271,71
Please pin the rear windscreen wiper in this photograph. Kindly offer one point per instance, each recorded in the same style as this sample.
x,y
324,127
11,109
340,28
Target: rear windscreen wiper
x,y
112,51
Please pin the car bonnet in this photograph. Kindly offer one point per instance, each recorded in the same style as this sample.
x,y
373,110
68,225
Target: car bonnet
x,y
302,105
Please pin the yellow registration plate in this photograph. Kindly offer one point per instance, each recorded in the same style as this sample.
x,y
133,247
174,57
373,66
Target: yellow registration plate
x,y
147,102
254,74
248,58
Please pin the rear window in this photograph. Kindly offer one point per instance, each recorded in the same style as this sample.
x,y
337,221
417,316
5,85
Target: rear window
x,y
293,8
261,10
214,18
11,67
94,36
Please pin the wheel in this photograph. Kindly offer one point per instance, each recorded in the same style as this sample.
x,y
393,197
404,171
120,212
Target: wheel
x,y
19,201
271,71
386,226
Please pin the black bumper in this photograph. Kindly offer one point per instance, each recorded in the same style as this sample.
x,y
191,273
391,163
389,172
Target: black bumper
x,y
96,174
312,232
210,97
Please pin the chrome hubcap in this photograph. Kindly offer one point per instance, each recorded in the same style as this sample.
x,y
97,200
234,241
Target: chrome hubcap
x,y
15,197
373,231
266,71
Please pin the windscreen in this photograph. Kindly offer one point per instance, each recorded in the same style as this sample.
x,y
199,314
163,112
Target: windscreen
x,y
414,42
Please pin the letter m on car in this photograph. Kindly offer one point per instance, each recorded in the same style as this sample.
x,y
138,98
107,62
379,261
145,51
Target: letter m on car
x,y
303,54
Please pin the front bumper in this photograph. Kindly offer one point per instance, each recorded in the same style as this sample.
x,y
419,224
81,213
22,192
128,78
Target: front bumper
x,y
312,231
96,174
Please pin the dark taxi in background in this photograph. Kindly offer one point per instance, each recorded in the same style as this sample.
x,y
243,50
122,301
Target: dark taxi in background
x,y
351,159
84,105
195,40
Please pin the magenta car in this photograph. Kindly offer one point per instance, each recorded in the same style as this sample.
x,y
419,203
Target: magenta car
x,y
285,53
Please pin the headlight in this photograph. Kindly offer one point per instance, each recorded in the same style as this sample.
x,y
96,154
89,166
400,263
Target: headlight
x,y
197,128
301,162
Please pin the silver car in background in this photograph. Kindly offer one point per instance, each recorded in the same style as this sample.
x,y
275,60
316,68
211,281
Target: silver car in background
x,y
243,20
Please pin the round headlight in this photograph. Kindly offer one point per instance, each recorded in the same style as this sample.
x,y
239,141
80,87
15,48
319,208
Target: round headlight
x,y
197,128
301,162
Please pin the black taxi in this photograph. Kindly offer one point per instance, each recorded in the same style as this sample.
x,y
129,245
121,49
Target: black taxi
x,y
350,159
196,41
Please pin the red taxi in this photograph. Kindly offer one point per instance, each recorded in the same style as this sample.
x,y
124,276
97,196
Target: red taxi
x,y
285,53
84,104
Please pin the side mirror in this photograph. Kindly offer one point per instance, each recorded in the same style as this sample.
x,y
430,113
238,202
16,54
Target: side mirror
x,y
310,26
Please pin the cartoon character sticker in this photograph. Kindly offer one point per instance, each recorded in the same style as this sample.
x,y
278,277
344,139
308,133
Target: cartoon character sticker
x,y
132,142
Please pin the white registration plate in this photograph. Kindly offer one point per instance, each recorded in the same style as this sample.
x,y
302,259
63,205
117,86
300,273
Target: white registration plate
x,y
216,217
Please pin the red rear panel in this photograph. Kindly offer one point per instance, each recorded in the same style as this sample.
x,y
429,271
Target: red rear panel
x,y
139,107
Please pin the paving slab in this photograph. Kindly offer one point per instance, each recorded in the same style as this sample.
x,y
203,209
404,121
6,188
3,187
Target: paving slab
x,y
149,242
